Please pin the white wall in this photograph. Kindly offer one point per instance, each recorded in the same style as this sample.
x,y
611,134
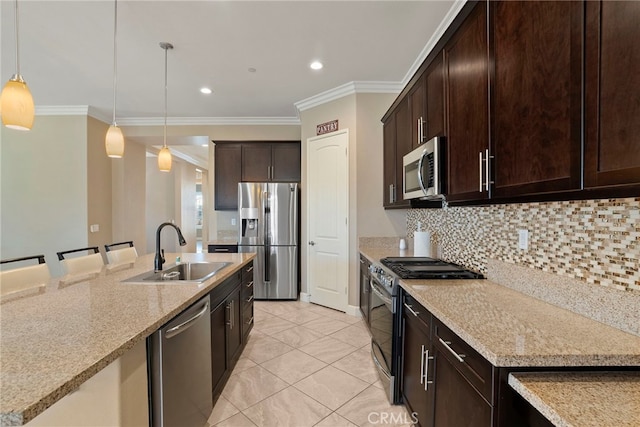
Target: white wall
x,y
99,182
160,205
44,189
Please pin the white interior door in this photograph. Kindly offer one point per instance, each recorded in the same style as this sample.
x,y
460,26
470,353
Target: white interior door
x,y
328,215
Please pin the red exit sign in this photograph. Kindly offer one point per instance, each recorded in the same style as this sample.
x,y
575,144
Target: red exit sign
x,y
327,127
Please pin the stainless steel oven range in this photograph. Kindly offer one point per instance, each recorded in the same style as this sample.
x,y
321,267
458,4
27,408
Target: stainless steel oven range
x,y
384,309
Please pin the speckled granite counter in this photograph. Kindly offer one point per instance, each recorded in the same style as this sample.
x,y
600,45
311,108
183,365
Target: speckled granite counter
x,y
511,329
51,343
582,399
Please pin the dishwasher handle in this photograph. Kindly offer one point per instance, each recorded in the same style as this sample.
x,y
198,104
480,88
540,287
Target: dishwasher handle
x,y
172,332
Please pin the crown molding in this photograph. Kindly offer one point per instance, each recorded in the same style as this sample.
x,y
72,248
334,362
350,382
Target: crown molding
x,y
208,121
71,110
348,89
426,50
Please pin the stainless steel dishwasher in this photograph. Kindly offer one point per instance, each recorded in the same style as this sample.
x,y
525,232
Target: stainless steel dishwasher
x,y
180,369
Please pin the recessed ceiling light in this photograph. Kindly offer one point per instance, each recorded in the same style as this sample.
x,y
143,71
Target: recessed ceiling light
x,y
206,90
316,65
205,145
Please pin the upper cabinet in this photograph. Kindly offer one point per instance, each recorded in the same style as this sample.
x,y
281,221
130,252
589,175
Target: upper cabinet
x,y
252,162
271,162
426,104
612,150
536,101
397,143
466,65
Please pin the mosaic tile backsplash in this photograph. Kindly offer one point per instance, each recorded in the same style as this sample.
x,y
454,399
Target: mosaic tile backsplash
x,y
596,241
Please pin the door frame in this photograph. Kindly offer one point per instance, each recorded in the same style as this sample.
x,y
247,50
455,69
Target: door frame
x,y
307,296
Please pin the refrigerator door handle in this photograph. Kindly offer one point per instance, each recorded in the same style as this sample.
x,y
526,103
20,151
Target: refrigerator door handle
x,y
267,264
266,203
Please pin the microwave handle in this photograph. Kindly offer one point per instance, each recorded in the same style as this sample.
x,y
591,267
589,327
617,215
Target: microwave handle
x,y
420,180
436,166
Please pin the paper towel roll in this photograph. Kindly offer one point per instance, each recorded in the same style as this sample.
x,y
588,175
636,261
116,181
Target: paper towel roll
x,y
422,243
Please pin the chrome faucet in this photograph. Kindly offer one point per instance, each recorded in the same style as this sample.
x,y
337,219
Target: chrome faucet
x,y
159,259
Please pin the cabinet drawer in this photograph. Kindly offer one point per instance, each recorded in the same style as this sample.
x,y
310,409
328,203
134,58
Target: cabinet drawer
x,y
247,319
413,308
475,368
247,294
247,272
222,249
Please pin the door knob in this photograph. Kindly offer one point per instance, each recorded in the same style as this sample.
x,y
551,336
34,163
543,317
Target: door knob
x,y
312,243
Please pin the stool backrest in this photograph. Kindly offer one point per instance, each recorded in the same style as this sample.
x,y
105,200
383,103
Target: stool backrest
x,y
23,278
123,255
86,264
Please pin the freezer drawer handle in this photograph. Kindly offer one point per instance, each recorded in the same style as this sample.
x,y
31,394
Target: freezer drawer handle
x,y
185,325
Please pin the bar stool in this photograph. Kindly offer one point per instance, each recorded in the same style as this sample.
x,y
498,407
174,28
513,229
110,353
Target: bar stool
x,y
125,255
22,279
80,267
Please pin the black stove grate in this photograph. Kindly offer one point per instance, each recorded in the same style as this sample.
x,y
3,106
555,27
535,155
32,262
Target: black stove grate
x,y
427,268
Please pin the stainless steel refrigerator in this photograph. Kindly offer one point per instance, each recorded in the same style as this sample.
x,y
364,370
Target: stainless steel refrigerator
x,y
268,225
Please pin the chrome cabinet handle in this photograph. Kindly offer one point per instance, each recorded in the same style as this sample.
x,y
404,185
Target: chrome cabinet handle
x,y
184,325
391,193
486,170
424,367
221,249
447,344
250,299
421,364
250,284
480,167
250,321
230,322
408,307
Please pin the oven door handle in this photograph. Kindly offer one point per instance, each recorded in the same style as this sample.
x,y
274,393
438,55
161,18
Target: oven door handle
x,y
388,301
381,369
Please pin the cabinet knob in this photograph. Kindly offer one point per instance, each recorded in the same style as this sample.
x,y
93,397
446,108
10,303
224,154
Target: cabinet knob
x,y
312,243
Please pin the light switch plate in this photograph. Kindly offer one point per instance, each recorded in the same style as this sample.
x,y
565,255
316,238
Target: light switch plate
x,y
94,228
523,239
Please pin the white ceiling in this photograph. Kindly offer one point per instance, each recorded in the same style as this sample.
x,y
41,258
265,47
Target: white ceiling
x,y
66,53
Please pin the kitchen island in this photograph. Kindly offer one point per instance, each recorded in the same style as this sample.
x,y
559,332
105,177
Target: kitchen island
x,y
53,342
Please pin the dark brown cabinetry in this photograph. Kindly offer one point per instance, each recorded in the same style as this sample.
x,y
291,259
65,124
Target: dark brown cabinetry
x,y
426,104
276,162
252,162
397,143
247,301
365,288
229,326
417,362
466,70
536,100
228,173
612,89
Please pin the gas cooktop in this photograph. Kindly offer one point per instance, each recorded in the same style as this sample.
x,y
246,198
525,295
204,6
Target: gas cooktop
x,y
427,268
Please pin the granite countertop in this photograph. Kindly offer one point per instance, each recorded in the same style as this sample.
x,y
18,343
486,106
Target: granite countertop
x,y
585,399
51,343
511,329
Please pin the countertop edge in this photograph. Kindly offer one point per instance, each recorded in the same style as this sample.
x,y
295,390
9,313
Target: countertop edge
x,y
547,411
18,418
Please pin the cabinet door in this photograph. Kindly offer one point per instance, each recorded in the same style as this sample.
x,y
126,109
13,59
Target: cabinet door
x,y
536,96
466,62
435,99
403,146
365,289
389,161
415,370
457,403
228,163
218,346
256,162
612,94
417,108
233,306
285,162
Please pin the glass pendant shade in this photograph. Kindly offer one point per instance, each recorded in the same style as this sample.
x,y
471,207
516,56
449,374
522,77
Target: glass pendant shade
x,y
164,160
16,104
114,142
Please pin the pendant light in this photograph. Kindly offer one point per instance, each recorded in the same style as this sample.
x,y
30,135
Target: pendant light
x,y
164,157
16,103
114,141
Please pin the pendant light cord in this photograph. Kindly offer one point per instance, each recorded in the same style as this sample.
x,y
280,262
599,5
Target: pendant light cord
x,y
115,58
17,43
166,49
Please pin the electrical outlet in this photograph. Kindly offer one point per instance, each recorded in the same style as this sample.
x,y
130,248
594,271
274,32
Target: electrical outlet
x,y
233,221
523,239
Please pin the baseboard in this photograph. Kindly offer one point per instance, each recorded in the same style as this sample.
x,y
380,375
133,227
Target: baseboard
x,y
305,297
354,310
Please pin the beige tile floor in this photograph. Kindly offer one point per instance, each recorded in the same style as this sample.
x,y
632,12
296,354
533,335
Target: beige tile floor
x,y
305,365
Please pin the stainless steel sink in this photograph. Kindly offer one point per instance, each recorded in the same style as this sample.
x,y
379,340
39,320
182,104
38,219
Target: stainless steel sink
x,y
185,272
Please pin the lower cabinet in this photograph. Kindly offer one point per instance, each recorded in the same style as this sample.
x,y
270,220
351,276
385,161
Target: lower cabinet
x,y
229,332
445,382
365,289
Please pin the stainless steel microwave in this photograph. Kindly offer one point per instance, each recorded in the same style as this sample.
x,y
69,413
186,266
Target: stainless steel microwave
x,y
423,171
